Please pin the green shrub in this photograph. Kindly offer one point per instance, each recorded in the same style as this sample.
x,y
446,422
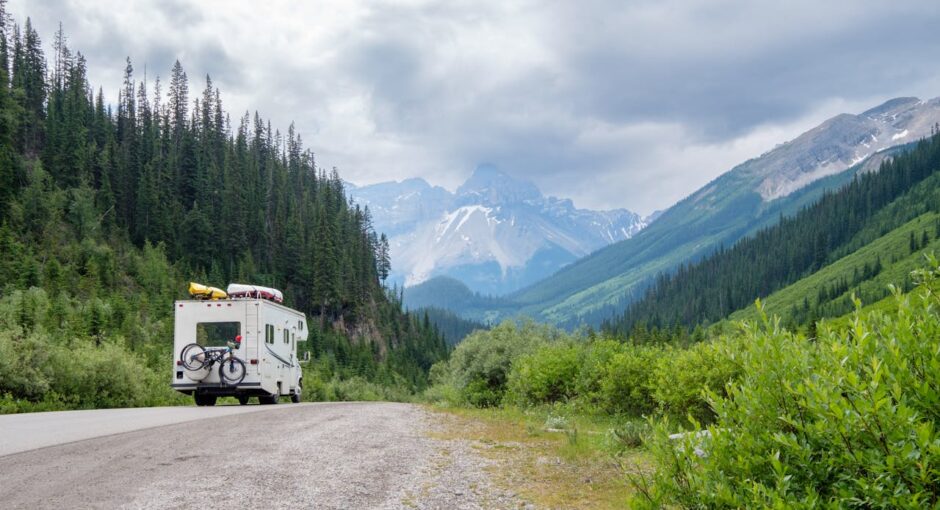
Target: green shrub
x,y
479,366
849,420
548,375
627,384
627,436
595,356
442,395
356,389
682,377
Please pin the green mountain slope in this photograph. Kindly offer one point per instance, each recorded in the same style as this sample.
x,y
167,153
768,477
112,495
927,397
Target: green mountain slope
x,y
865,273
723,212
858,238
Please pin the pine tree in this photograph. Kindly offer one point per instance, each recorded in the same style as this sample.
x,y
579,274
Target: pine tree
x,y
384,258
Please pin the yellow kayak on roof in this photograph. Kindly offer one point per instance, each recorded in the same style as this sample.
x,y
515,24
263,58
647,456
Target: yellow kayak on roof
x,y
201,291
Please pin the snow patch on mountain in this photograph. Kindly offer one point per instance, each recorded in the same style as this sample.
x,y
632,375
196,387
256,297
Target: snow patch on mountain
x,y
839,143
495,233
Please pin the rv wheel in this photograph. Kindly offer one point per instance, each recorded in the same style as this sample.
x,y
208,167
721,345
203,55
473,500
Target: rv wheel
x,y
295,397
204,400
267,400
243,400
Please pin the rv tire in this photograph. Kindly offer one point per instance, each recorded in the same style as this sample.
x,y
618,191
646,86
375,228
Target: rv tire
x,y
243,400
204,400
295,397
268,399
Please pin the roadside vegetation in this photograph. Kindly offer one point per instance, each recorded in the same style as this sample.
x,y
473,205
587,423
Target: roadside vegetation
x,y
546,457
772,418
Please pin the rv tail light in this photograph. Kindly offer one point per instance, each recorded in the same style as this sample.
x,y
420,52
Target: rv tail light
x,y
254,362
179,362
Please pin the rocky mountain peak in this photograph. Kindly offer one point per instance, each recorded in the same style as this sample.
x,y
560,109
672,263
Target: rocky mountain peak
x,y
490,186
496,233
840,143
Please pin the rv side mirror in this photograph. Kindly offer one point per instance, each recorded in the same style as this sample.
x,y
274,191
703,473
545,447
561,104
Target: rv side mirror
x,y
306,357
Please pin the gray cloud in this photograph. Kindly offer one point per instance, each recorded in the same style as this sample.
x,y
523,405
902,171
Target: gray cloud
x,y
616,104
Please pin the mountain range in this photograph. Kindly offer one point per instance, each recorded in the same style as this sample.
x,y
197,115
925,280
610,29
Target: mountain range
x,y
751,196
496,234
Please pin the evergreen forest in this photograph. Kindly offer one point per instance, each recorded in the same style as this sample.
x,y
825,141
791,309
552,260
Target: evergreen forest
x,y
108,210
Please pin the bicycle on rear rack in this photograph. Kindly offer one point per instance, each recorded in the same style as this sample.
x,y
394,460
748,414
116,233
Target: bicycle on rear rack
x,y
231,369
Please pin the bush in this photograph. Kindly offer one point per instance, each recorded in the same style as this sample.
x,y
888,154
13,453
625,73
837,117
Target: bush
x,y
627,436
548,375
356,389
479,366
442,395
595,357
627,384
847,421
42,367
24,370
683,376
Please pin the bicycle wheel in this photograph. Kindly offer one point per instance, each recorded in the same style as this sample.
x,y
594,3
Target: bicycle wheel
x,y
193,357
232,371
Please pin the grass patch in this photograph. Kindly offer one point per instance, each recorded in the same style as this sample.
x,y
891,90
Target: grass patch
x,y
570,467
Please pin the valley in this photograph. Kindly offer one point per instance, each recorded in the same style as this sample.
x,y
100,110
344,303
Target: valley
x,y
495,255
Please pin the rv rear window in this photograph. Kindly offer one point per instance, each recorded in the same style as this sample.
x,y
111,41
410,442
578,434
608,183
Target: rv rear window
x,y
269,333
216,334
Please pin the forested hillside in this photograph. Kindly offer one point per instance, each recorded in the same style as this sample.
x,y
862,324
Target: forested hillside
x,y
452,294
107,210
870,208
451,326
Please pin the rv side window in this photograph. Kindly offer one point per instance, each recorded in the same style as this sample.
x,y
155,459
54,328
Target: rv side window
x,y
300,325
269,333
286,336
216,334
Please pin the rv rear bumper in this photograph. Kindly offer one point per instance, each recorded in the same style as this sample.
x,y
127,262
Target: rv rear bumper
x,y
222,390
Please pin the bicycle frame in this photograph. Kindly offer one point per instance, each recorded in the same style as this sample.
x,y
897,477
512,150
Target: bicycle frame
x,y
215,355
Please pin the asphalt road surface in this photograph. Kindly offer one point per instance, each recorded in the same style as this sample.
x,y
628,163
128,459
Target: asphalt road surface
x,y
329,455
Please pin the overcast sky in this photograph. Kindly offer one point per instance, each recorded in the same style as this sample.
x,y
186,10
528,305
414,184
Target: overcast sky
x,y
611,103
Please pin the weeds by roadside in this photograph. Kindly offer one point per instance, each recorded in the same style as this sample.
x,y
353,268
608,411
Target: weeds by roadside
x,y
552,459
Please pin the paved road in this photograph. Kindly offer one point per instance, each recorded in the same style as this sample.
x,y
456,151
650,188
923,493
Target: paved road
x,y
338,455
24,432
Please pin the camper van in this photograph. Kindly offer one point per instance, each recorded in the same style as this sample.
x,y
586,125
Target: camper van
x,y
261,332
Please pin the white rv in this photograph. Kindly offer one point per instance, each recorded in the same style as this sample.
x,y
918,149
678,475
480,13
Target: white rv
x,y
269,334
